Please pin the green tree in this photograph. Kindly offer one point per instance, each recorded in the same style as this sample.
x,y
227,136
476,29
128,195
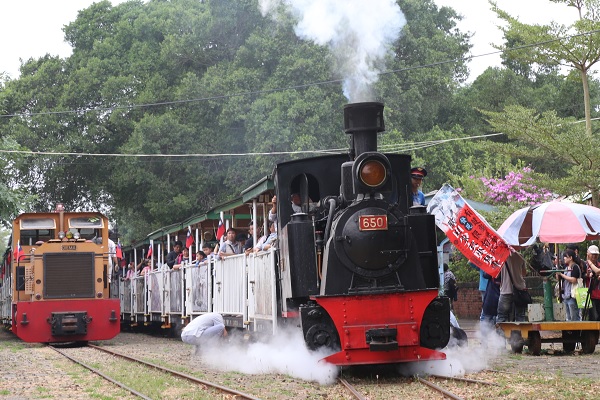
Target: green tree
x,y
576,46
539,137
188,77
415,96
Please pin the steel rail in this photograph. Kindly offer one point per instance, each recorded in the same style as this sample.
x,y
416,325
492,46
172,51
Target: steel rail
x,y
439,389
178,374
351,389
464,379
106,377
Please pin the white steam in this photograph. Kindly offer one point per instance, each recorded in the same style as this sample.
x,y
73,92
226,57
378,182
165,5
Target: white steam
x,y
359,33
285,353
461,360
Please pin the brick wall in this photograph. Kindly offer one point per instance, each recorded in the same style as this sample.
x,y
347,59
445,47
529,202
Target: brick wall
x,y
468,305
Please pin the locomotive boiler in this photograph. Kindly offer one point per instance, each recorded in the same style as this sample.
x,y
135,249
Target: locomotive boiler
x,y
358,265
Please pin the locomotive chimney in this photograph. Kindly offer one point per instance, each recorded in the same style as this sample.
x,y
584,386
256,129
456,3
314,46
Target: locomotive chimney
x,y
363,121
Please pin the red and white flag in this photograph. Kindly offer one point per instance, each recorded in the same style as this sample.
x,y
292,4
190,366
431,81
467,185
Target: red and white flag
x,y
149,255
220,230
18,252
119,250
189,241
468,231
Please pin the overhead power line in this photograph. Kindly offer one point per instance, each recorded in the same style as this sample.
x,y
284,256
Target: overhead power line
x,y
391,148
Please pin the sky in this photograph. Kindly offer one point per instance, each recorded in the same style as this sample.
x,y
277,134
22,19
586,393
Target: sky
x,y
32,28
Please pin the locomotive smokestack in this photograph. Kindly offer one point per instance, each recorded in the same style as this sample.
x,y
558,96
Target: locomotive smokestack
x,y
363,121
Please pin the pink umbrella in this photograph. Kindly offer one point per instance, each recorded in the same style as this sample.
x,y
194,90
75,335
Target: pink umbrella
x,y
552,222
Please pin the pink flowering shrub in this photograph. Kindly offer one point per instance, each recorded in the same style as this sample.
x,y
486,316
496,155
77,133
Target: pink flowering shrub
x,y
516,187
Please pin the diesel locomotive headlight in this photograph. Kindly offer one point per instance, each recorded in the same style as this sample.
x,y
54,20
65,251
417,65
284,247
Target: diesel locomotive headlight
x,y
76,235
372,173
61,235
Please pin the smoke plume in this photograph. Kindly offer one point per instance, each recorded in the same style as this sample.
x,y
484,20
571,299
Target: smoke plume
x,y
359,33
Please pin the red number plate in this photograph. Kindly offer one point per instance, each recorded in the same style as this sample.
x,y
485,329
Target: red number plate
x,y
372,223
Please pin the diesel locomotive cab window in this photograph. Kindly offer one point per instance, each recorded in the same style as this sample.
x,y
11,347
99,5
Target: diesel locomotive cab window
x,y
86,222
88,227
33,230
29,237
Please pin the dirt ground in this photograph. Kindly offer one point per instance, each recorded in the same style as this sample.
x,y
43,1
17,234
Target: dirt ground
x,y
553,360
30,371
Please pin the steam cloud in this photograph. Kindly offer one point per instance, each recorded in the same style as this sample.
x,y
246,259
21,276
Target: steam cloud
x,y
285,353
358,32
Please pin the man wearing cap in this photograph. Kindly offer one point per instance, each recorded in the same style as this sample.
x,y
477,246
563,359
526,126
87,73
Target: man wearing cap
x,y
593,272
416,178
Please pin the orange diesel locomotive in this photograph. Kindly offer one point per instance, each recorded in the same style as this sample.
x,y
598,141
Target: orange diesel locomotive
x,y
55,286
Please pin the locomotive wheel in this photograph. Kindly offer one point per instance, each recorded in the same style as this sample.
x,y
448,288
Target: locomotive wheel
x,y
535,343
459,336
568,347
320,335
588,341
516,342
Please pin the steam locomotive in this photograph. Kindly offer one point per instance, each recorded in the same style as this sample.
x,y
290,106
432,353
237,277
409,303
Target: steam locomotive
x,y
359,268
356,264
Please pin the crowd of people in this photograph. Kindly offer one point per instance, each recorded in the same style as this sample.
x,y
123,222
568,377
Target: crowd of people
x,y
572,273
232,243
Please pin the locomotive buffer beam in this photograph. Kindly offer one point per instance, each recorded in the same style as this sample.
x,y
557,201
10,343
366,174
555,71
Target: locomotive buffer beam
x,y
69,323
382,339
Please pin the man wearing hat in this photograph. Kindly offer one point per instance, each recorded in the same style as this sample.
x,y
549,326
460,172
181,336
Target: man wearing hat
x,y
593,272
416,178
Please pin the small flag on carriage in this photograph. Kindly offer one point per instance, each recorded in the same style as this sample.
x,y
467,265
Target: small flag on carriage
x,y
18,252
189,241
220,230
119,250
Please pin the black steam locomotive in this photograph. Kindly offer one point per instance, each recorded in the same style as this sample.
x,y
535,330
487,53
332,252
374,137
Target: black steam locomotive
x,y
358,265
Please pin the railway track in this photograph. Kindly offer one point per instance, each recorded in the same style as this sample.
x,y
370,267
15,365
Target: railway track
x,y
446,393
200,382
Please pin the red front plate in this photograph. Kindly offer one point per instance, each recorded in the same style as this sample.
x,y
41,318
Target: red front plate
x,y
353,316
38,330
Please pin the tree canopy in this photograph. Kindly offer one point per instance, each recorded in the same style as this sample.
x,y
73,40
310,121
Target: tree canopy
x,y
163,108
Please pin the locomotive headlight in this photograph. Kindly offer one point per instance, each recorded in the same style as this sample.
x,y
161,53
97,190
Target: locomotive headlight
x,y
372,173
61,235
76,235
